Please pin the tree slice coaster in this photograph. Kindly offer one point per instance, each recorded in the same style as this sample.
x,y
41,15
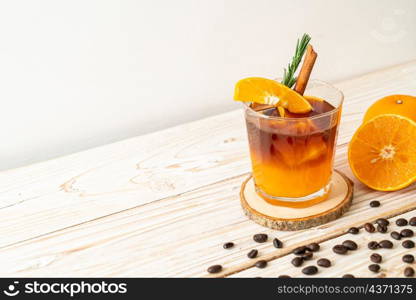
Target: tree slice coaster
x,y
286,218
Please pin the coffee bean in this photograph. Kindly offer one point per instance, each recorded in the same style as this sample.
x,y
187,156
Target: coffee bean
x,y
340,249
369,227
283,276
277,243
401,222
353,230
297,261
260,237
310,270
383,222
307,255
261,264
299,250
406,233
408,244
386,244
395,235
373,245
323,262
228,245
381,228
376,258
253,253
348,276
375,203
313,247
408,258
374,268
351,245
409,272
214,269
412,221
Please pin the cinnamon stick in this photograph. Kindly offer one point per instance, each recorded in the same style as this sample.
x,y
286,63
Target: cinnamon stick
x,y
260,107
302,80
306,70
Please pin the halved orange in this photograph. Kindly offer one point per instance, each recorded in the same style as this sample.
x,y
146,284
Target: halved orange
x,y
266,91
403,105
382,152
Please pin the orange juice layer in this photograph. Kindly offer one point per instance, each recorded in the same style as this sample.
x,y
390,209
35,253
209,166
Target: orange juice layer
x,y
293,158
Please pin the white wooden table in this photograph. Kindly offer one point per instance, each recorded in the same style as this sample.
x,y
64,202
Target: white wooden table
x,y
163,204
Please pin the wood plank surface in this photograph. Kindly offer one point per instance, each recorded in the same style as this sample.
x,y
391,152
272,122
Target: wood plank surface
x,y
354,262
162,204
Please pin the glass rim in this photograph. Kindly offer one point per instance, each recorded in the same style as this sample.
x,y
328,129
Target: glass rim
x,y
325,114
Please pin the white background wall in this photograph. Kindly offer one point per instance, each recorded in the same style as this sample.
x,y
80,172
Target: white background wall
x,y
77,74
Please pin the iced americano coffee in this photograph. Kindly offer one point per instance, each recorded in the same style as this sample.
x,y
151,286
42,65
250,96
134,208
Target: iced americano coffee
x,y
292,126
292,155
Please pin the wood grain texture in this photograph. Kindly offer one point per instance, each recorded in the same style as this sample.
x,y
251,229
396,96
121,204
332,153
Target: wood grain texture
x,y
354,262
164,203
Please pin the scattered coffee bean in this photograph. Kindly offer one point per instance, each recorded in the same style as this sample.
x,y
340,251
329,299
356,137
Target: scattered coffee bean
x,y
408,258
340,249
253,253
261,264
395,235
297,261
409,272
382,222
351,245
283,276
348,276
369,227
313,247
412,221
401,222
353,230
307,255
386,244
228,245
277,243
310,270
408,244
374,268
375,203
260,237
323,262
381,228
373,245
299,250
406,233
376,258
214,269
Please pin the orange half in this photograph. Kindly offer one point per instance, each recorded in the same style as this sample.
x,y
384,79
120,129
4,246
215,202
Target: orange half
x,y
382,152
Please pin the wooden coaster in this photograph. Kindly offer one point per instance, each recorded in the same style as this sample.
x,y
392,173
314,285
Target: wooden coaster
x,y
286,218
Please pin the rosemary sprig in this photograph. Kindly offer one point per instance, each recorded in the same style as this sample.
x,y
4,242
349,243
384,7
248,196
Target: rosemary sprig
x,y
288,74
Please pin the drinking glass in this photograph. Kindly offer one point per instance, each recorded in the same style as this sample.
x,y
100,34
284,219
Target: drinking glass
x,y
292,157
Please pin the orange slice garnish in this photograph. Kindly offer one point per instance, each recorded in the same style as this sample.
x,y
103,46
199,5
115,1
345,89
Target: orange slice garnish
x,y
282,111
313,98
266,91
